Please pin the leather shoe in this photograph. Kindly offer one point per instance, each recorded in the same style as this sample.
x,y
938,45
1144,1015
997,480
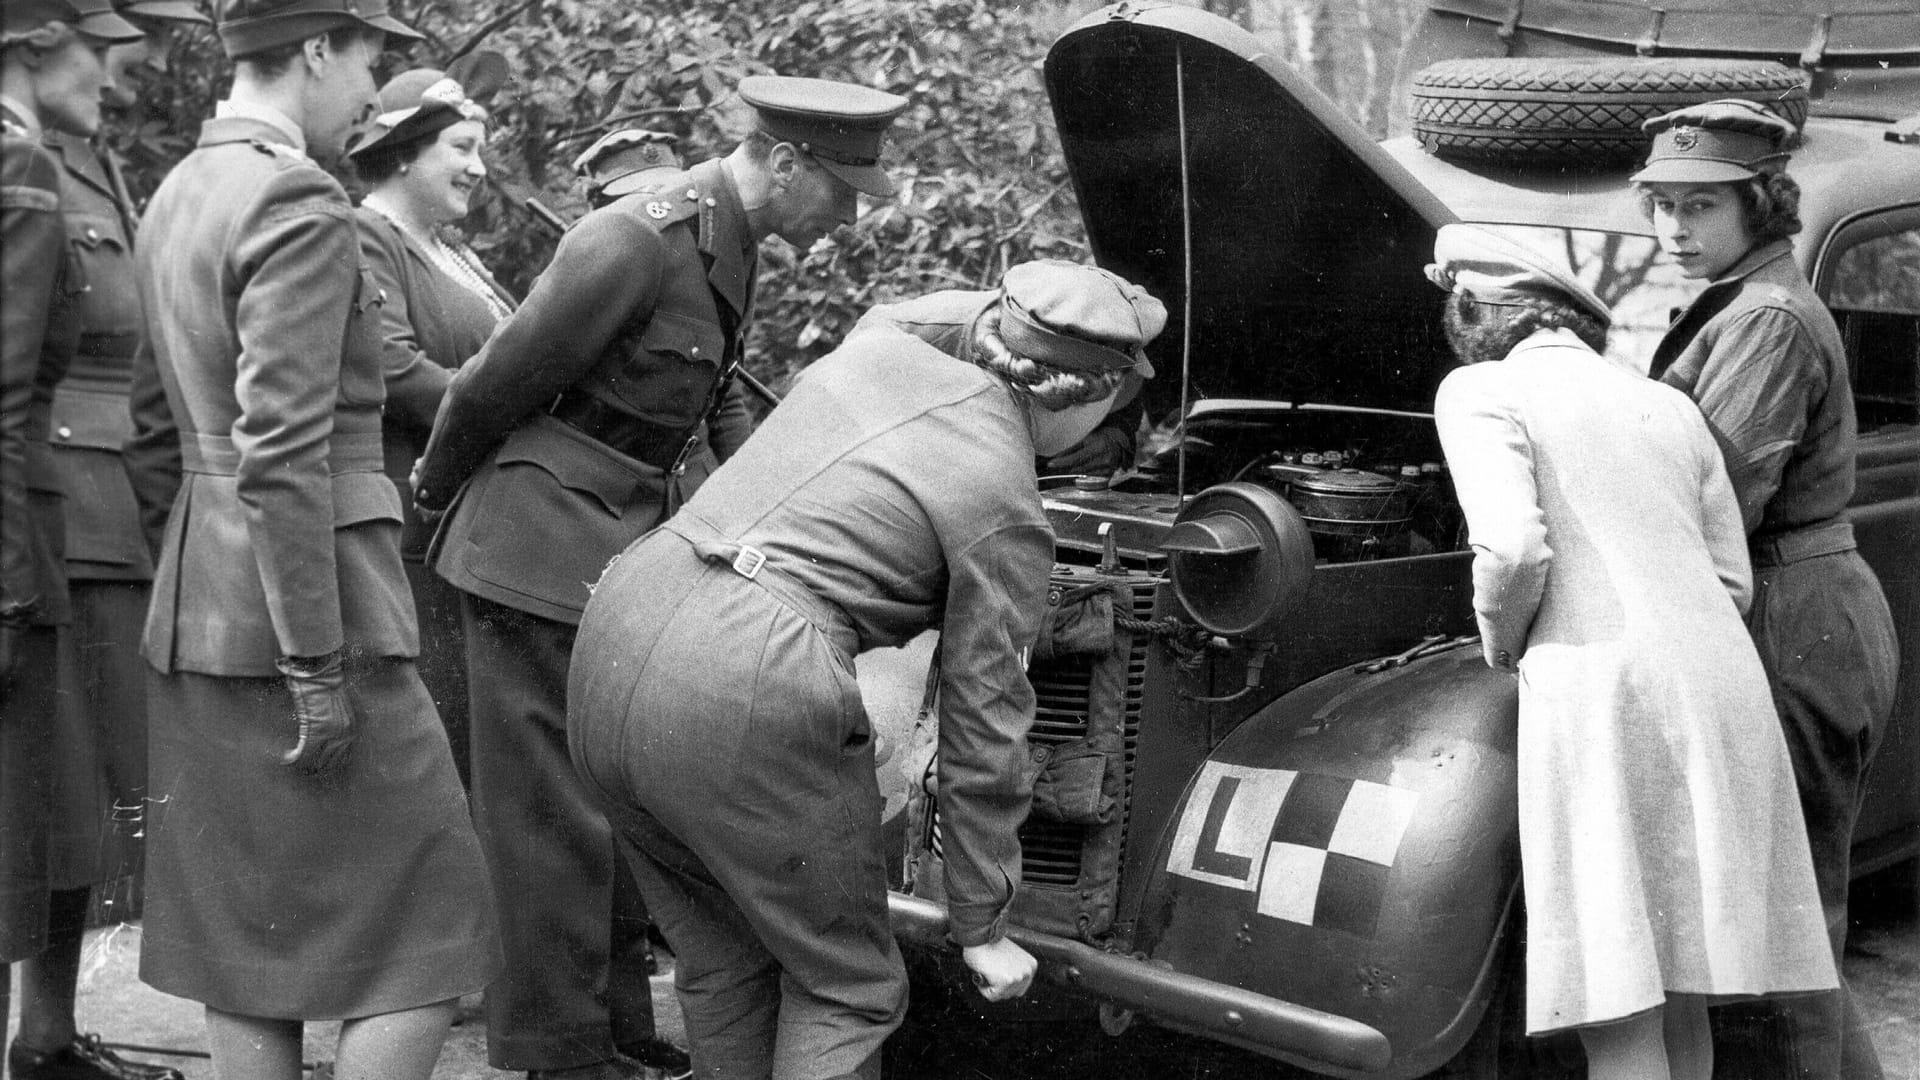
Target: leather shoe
x,y
618,1067
671,1062
85,1058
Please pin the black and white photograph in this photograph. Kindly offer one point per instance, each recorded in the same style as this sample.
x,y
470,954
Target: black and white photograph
x,y
960,539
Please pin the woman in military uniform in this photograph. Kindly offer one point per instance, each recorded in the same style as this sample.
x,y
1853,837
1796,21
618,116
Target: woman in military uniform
x,y
99,771
310,853
422,163
1761,355
52,73
712,698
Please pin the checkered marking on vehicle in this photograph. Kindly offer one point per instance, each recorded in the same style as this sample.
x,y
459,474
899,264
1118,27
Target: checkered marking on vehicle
x,y
1314,849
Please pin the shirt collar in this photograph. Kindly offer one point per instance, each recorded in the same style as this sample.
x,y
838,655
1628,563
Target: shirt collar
x,y
265,114
1755,259
22,115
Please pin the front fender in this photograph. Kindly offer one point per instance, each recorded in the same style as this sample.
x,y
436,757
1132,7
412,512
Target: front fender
x,y
1354,848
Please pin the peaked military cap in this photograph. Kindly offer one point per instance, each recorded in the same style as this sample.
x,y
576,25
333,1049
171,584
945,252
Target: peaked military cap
x,y
185,11
1078,318
1500,268
90,18
250,26
1717,142
425,101
624,161
840,124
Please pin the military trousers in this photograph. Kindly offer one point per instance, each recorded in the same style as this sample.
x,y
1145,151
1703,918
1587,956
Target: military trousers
x,y
722,724
572,925
1826,638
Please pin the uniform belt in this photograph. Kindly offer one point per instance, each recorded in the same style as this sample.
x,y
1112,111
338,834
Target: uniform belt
x,y
659,445
751,563
347,452
1780,549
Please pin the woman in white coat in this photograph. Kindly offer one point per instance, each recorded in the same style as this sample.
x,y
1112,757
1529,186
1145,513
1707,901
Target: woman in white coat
x,y
1664,859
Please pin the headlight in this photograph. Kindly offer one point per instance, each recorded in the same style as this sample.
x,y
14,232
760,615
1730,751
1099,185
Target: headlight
x,y
1240,558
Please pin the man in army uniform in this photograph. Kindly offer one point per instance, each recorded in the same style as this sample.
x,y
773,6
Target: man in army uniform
x,y
580,426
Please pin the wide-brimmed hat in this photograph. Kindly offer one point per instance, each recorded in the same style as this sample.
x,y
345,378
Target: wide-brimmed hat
x,y
1715,143
1078,318
624,161
424,101
840,124
251,26
1499,268
89,18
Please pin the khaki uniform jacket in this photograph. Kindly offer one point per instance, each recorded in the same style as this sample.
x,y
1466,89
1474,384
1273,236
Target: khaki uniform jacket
x,y
37,331
266,332
643,307
1760,354
91,419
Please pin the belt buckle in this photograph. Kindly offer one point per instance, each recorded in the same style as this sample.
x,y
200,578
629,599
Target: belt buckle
x,y
748,563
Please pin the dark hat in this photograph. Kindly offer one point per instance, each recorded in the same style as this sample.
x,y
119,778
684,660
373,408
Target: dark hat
x,y
841,124
1501,268
250,26
1078,318
90,18
1718,142
185,11
422,102
624,161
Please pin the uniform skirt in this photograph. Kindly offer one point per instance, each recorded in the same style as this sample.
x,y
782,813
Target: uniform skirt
x,y
272,893
99,771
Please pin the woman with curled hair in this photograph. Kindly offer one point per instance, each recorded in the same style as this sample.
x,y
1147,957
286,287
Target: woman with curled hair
x,y
422,163
1663,859
712,700
1761,355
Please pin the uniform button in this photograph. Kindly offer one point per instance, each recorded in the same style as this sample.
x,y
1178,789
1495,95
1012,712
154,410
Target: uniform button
x,y
93,234
695,351
65,432
693,193
713,202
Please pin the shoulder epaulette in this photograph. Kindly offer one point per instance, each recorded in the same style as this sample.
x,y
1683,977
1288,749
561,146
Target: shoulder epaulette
x,y
673,201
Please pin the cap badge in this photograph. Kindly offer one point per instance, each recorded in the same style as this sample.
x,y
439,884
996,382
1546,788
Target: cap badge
x,y
658,209
1685,138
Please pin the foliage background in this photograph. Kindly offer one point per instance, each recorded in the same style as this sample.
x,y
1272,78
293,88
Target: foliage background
x,y
982,181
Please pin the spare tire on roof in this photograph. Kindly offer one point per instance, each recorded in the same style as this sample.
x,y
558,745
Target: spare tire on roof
x,y
1586,111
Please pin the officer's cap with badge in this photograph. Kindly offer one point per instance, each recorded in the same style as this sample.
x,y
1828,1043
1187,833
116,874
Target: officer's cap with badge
x,y
625,161
1715,143
840,124
419,104
1078,318
178,11
247,27
1501,268
93,19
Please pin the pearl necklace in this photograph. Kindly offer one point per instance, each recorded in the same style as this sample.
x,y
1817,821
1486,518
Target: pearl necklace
x,y
455,260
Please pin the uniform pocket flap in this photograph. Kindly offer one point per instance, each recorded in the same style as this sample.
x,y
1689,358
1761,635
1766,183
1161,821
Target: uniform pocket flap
x,y
573,459
364,496
91,232
90,419
684,336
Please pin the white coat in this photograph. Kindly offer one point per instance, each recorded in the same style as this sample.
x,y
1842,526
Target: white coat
x,y
1662,845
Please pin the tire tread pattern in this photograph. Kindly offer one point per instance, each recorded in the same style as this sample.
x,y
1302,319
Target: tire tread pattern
x,y
1527,111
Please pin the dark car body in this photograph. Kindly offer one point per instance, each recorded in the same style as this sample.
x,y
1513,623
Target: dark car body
x,y
1306,841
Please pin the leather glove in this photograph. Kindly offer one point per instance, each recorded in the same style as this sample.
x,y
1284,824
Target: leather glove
x,y
1102,453
429,515
322,710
